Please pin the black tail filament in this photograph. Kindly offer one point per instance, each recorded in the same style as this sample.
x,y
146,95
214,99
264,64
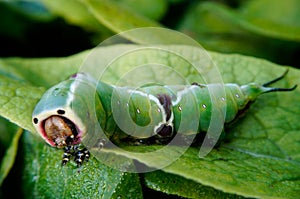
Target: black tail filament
x,y
276,80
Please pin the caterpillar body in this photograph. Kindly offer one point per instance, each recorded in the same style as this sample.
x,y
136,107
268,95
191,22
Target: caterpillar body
x,y
72,109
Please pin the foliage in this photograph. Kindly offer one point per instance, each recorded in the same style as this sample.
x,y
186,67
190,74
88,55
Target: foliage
x,y
260,157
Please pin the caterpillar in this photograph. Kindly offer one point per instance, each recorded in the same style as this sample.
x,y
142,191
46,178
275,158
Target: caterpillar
x,y
72,109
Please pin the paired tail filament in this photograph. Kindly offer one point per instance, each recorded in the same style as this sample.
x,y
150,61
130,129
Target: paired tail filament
x,y
276,80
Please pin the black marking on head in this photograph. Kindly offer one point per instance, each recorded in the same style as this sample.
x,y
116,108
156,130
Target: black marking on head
x,y
166,101
61,112
35,120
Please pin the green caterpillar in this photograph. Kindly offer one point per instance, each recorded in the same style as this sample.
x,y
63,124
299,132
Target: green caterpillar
x,y
74,108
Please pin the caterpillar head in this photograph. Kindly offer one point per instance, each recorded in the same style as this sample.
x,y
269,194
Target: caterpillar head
x,y
58,126
60,117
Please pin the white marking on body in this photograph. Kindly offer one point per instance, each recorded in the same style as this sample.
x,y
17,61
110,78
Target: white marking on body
x,y
160,107
81,78
223,99
237,95
204,106
138,110
183,92
73,88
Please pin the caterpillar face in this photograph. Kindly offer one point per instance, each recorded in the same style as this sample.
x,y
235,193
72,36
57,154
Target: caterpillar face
x,y
60,130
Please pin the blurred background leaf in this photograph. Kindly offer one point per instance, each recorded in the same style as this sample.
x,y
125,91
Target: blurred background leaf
x,y
261,28
268,29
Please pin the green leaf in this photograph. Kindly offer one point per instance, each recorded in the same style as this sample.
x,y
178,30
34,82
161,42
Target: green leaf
x,y
16,101
45,177
256,26
271,18
79,16
95,15
154,9
117,17
11,18
9,157
260,158
31,9
7,130
40,71
263,17
230,170
176,185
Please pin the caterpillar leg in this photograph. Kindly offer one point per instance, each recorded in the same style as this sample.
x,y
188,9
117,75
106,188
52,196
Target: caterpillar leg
x,y
67,154
80,155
